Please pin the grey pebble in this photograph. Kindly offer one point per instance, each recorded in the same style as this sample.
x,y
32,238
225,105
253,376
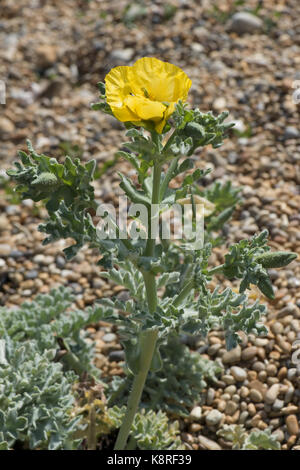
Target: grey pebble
x,y
31,274
109,337
244,22
116,356
213,418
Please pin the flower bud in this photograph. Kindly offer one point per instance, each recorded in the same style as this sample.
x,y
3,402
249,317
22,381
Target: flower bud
x,y
276,259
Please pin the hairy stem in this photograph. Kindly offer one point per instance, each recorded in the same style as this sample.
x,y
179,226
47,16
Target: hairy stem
x,y
167,178
184,293
148,341
148,338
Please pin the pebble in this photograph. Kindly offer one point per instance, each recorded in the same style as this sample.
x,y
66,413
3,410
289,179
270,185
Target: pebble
x,y
231,389
208,443
5,249
4,223
292,424
228,379
291,133
6,126
249,353
210,396
122,55
278,405
279,435
231,407
255,395
272,394
60,262
196,413
43,260
244,22
116,356
31,274
238,373
230,357
46,55
109,337
213,418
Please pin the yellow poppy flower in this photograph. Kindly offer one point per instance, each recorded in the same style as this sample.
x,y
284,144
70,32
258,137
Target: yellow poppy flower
x,y
147,91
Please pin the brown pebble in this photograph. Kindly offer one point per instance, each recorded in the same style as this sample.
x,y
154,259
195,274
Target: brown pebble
x,y
251,409
292,425
194,427
255,395
249,353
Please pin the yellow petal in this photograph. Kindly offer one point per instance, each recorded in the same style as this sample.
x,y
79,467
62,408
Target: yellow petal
x,y
160,125
158,80
117,88
145,109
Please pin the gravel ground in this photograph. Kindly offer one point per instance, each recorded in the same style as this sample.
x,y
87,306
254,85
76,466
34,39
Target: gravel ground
x,y
51,58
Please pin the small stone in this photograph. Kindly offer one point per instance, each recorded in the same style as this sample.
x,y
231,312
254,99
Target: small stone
x,y
210,396
116,356
231,407
292,373
109,337
272,394
279,435
251,409
60,262
255,395
219,103
16,254
6,126
222,405
292,425
2,263
230,357
4,223
238,373
278,404
194,427
244,392
244,22
196,413
123,55
249,353
31,274
213,418
231,389
277,328
271,370
208,443
259,386
5,249
291,133
228,379
46,55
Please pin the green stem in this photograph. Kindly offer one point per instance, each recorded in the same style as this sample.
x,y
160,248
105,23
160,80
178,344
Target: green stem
x,y
167,178
184,293
148,338
217,269
148,342
149,251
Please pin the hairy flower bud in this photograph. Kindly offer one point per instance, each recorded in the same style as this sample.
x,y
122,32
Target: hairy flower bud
x,y
277,259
